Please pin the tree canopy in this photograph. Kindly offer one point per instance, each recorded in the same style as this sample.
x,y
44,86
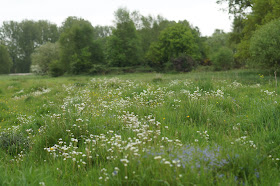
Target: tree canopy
x,y
43,56
79,51
250,18
264,45
21,39
173,41
123,47
5,60
148,42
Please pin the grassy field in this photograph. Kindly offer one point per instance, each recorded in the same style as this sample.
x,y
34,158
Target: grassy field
x,y
209,128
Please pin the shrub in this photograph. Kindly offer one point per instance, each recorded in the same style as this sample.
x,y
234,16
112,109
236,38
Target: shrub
x,y
56,69
36,69
97,69
223,59
264,45
177,39
13,143
81,63
168,67
43,56
184,63
157,80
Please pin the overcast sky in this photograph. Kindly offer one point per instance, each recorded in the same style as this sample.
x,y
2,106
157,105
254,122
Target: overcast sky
x,y
205,14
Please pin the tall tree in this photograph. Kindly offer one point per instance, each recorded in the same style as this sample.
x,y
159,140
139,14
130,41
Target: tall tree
x,y
250,15
123,47
237,7
101,35
264,46
22,38
10,37
218,40
173,41
150,30
79,50
5,60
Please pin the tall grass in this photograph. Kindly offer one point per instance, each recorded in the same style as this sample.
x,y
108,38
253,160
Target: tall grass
x,y
140,129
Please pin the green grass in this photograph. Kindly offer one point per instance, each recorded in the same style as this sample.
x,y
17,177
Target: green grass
x,y
210,128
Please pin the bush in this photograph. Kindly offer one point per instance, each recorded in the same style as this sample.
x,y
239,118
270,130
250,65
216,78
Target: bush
x,y
184,63
13,143
264,45
97,69
223,59
43,56
81,63
36,69
177,39
56,69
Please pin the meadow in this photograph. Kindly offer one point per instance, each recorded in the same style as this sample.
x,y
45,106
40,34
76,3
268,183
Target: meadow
x,y
199,128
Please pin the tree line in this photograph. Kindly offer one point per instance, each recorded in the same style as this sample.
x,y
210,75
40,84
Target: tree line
x,y
140,42
255,35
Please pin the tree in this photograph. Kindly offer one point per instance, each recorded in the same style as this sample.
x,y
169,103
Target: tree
x,y
102,31
264,45
237,7
22,38
79,50
123,47
223,59
252,14
173,41
150,30
218,40
101,36
5,60
219,50
10,37
43,56
236,34
184,63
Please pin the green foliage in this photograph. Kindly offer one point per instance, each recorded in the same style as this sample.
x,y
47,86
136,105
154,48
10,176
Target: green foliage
x,y
209,128
5,60
264,45
184,63
80,62
13,143
237,7
150,29
123,47
219,50
56,68
79,51
223,59
43,56
101,36
82,47
23,37
173,41
98,69
218,40
236,34
247,22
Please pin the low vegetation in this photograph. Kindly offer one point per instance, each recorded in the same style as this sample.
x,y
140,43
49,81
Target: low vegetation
x,y
209,128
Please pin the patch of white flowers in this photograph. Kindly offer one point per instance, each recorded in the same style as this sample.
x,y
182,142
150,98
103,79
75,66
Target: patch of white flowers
x,y
269,93
244,141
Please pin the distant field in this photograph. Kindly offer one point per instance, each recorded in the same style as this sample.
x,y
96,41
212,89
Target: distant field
x,y
219,128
